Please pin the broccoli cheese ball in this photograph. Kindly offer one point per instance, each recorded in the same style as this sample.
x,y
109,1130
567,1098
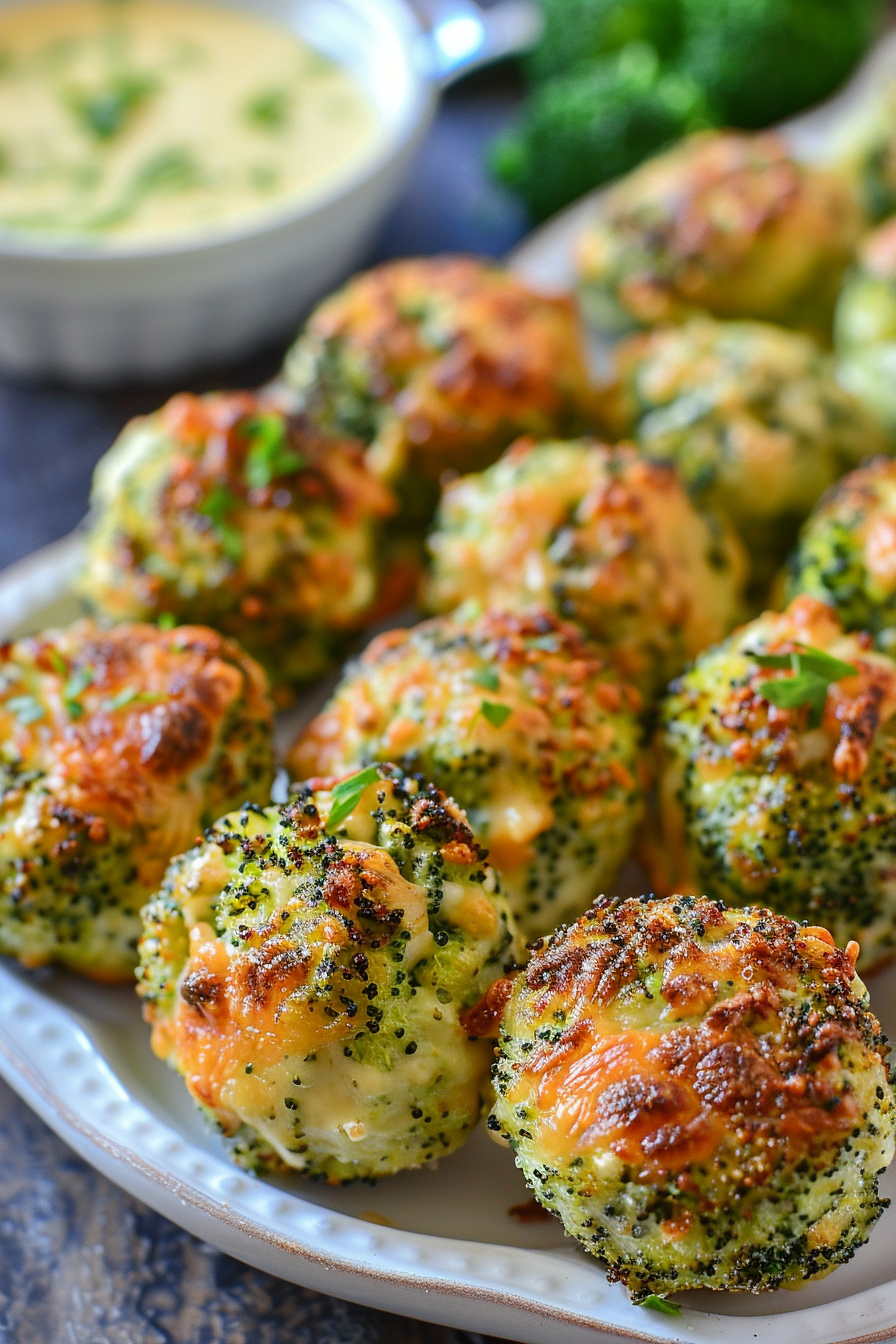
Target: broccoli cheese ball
x,y
439,363
700,1094
847,552
116,748
312,972
865,327
518,719
752,417
601,536
778,782
726,223
222,509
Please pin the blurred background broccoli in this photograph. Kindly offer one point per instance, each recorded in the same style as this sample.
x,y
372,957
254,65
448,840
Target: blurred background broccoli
x,y
613,81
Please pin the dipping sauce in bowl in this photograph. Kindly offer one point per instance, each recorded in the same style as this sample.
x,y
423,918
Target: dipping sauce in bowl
x,y
136,121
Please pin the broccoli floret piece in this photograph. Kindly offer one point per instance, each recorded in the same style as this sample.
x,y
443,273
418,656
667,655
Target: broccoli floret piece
x,y
584,128
759,61
577,30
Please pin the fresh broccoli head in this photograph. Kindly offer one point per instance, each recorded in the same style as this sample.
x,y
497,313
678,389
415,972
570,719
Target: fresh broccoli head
x,y
582,30
759,61
597,122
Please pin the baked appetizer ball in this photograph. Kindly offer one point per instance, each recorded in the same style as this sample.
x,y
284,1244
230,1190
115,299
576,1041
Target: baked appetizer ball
x,y
847,552
222,509
601,536
778,783
311,971
700,1094
116,748
865,327
724,222
520,720
439,363
752,417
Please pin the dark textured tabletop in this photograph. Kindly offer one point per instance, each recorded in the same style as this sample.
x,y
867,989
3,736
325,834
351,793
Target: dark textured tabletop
x,y
81,1262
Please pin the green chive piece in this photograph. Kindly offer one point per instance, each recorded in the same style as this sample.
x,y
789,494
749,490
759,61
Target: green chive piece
x,y
496,714
26,708
486,678
655,1303
348,794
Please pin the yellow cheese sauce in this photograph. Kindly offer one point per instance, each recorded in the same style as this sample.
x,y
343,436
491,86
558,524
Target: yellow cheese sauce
x,y
128,121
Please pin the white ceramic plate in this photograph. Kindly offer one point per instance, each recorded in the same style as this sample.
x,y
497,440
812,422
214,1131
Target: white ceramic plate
x,y
436,1244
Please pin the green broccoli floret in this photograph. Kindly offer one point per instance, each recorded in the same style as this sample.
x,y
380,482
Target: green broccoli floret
x,y
582,30
585,128
759,61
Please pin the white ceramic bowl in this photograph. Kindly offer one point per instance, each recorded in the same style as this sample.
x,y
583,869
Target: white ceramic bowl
x,y
92,314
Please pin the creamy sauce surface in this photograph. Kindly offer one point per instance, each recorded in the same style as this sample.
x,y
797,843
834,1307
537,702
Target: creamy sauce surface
x,y
127,121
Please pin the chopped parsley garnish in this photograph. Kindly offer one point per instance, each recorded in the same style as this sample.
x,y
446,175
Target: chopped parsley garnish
x,y
104,112
26,708
167,620
270,454
496,714
486,678
348,794
81,678
216,506
654,1303
269,109
129,695
57,662
813,672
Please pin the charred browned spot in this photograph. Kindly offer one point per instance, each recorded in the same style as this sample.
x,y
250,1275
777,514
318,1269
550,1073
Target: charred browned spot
x,y
174,734
484,1018
593,973
203,990
342,885
691,993
733,1077
276,966
430,817
303,817
639,1103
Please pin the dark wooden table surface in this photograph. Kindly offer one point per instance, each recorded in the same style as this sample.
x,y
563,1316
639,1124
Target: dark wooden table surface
x,y
81,1262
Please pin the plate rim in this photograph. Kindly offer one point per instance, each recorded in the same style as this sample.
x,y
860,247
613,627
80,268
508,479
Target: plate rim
x,y
430,1293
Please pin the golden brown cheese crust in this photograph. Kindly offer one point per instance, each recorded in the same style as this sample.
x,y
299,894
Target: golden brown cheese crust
x,y
116,747
310,974
760,803
223,509
700,1093
726,223
662,1100
460,355
553,786
604,536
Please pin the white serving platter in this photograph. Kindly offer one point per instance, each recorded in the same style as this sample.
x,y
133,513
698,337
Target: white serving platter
x,y
436,1244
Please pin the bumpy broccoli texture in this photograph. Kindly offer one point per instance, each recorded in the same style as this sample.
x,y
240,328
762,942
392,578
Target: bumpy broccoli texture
x,y
759,61
599,535
584,30
753,418
699,1094
847,552
438,363
519,720
725,223
778,777
313,972
865,327
592,124
222,509
116,748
